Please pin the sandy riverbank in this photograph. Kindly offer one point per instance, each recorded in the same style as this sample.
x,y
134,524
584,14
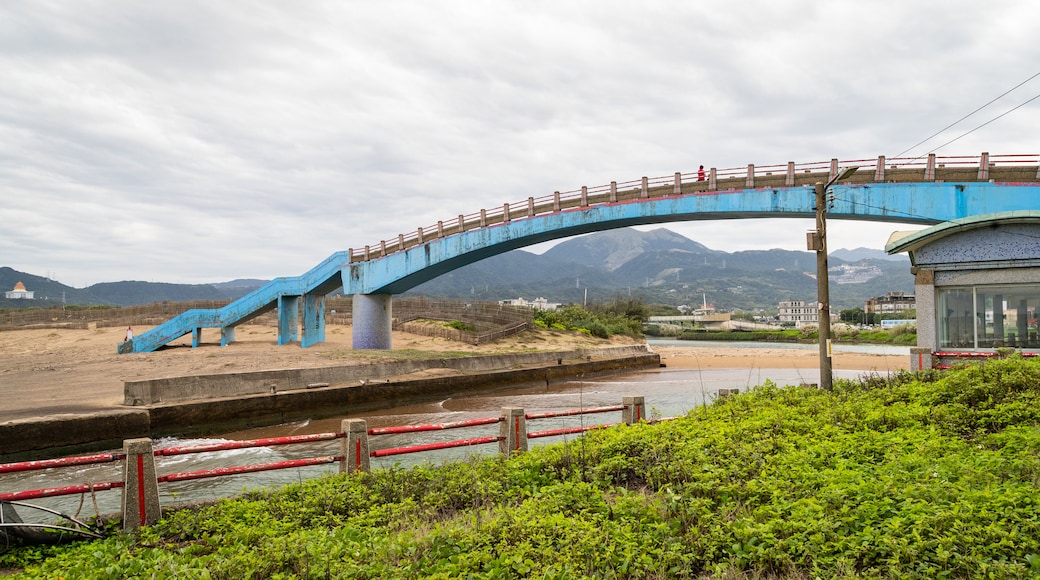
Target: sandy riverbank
x,y
62,371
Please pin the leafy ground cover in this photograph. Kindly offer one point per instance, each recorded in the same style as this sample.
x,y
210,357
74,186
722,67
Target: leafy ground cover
x,y
909,476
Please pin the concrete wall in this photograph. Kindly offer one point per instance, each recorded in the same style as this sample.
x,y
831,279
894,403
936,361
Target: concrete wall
x,y
193,388
216,415
33,439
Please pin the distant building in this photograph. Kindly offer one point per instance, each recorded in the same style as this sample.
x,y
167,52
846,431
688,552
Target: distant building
x,y
19,293
537,303
890,303
798,312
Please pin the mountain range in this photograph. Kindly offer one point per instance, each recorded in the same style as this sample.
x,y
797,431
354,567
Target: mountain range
x,y
657,266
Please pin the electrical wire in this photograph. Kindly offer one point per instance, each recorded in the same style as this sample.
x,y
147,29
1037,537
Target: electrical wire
x,y
968,115
1035,97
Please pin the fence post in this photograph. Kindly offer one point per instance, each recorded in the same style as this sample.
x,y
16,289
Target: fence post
x,y
750,182
613,189
984,167
512,431
678,183
645,191
354,446
140,487
713,179
635,410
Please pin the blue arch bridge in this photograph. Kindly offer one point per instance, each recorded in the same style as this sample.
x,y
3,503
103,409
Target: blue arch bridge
x,y
908,190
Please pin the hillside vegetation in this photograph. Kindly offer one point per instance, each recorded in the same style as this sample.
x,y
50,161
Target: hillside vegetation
x,y
930,476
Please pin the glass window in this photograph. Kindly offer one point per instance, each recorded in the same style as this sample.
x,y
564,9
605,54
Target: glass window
x,y
987,317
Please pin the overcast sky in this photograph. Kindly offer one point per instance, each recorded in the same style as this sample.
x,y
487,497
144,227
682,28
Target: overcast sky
x,y
195,142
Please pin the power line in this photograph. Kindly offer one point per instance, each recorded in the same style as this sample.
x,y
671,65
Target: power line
x,y
968,115
1035,97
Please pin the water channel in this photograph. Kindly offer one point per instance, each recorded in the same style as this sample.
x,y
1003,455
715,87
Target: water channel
x,y
667,393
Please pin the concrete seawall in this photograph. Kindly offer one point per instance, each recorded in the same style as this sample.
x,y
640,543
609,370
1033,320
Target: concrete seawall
x,y
202,387
295,397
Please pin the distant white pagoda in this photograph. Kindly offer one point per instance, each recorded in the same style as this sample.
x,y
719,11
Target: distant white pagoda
x,y
19,293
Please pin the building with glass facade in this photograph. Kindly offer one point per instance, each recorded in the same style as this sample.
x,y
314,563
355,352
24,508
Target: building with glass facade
x,y
977,285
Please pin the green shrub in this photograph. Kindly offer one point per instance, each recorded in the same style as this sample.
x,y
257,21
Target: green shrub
x,y
459,325
910,475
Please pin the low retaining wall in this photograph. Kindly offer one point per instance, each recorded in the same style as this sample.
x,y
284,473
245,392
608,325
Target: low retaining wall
x,y
202,387
56,436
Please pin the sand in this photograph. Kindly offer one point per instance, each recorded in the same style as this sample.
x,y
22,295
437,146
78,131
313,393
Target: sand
x,y
63,371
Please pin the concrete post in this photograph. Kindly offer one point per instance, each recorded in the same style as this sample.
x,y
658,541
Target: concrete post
x,y
678,183
373,321
584,196
713,179
789,180
645,191
227,335
140,487
984,167
920,359
635,410
879,171
556,201
613,189
354,446
288,319
512,431
929,170
505,213
313,319
530,207
750,183
728,392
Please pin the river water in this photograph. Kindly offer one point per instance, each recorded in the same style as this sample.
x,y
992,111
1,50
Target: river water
x,y
667,393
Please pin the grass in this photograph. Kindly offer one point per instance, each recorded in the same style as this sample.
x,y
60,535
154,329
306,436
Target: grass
x,y
930,475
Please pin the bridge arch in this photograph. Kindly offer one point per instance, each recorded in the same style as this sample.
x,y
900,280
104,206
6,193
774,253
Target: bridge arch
x,y
921,191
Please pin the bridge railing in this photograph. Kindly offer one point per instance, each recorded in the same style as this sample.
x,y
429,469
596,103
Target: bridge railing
x,y
880,169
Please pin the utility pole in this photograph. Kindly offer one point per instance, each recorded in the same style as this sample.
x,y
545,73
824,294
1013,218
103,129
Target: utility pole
x,y
818,241
823,288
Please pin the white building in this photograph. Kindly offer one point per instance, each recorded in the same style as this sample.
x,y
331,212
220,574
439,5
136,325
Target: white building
x,y
537,303
798,312
19,293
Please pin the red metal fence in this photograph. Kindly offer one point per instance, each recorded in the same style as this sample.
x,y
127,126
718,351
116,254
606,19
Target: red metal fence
x,y
140,483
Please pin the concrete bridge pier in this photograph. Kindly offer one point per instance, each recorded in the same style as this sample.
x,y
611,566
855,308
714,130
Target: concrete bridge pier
x,y
288,318
313,319
373,321
227,335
